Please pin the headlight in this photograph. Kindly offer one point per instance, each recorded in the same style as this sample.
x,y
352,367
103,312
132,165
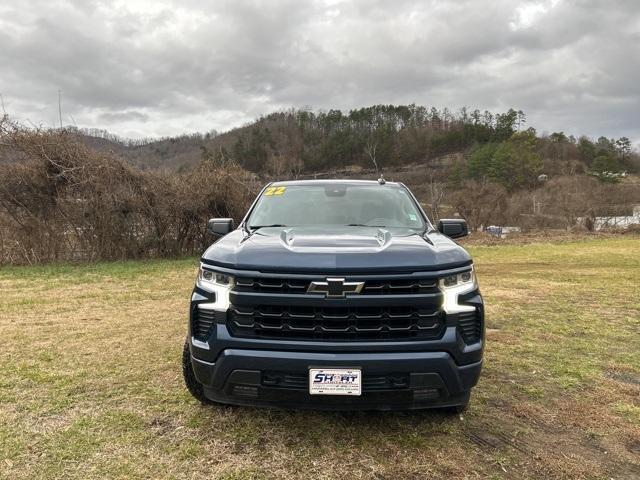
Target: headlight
x,y
464,278
217,283
211,277
455,285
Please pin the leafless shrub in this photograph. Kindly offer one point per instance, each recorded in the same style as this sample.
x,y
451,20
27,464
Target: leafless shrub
x,y
481,203
63,201
283,166
569,202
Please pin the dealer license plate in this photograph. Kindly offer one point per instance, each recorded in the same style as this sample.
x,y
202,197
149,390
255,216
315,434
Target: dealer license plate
x,y
335,381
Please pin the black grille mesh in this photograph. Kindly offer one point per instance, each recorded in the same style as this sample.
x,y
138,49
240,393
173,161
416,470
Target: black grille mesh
x,y
202,322
470,326
336,323
299,381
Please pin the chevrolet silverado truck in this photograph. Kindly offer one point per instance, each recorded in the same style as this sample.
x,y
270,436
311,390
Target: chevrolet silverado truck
x,y
335,294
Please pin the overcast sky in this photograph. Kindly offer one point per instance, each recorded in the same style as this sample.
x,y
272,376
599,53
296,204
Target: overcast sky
x,y
165,67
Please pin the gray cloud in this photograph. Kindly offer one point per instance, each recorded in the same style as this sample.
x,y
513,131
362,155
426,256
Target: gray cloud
x,y
123,116
151,68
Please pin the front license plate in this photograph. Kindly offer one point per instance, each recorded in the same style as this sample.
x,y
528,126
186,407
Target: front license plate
x,y
335,381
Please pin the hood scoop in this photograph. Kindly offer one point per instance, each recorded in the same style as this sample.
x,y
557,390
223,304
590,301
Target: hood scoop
x,y
316,240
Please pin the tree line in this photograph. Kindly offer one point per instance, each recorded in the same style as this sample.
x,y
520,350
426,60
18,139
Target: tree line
x,y
496,146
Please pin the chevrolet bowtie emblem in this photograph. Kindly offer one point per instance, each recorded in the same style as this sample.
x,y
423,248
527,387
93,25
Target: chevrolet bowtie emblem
x,y
335,287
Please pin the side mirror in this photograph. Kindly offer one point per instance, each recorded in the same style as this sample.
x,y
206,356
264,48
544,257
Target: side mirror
x,y
220,226
453,227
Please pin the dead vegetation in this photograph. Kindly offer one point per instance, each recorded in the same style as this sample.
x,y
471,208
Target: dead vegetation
x,y
62,201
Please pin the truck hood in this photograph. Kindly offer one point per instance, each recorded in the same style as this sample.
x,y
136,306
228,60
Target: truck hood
x,y
335,250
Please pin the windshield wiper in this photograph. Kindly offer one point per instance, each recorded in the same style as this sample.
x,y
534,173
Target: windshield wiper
x,y
256,227
363,225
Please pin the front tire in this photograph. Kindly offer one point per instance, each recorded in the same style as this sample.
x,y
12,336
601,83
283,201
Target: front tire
x,y
195,388
456,409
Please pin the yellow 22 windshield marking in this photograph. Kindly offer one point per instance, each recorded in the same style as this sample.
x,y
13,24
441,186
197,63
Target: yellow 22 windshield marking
x,y
274,191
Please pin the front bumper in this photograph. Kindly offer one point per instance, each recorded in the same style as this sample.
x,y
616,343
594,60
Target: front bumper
x,y
406,374
278,378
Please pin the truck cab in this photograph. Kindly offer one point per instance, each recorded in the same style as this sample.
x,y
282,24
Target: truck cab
x,y
335,294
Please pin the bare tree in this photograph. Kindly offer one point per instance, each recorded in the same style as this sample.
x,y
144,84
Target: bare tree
x,y
436,191
60,106
370,150
282,167
481,203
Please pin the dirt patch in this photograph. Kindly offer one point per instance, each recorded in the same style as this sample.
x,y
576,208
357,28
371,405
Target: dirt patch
x,y
625,377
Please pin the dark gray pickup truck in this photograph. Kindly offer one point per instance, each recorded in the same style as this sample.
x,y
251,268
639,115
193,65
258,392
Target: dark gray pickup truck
x,y
335,294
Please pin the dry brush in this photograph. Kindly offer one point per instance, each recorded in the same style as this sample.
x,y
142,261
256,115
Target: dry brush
x,y
61,201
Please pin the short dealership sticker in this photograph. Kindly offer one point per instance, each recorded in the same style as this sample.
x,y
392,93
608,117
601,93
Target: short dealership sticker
x,y
335,381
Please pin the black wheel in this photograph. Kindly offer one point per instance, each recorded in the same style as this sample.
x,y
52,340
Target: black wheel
x,y
195,388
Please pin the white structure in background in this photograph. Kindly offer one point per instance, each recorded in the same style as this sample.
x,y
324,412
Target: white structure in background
x,y
617,222
501,232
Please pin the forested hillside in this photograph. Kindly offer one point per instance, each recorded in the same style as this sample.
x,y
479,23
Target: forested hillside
x,y
490,168
499,147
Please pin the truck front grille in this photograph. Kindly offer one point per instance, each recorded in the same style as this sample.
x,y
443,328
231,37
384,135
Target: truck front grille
x,y
336,323
371,287
389,307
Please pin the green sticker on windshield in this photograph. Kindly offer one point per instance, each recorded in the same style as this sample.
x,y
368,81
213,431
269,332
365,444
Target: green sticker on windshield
x,y
412,217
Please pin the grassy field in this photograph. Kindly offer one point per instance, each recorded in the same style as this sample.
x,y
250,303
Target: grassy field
x,y
90,381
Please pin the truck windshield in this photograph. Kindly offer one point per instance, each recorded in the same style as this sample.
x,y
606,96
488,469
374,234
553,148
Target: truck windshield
x,y
389,206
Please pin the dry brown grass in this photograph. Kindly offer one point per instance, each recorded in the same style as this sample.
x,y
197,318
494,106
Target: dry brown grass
x,y
90,382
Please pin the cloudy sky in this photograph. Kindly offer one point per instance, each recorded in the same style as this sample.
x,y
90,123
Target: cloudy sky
x,y
164,67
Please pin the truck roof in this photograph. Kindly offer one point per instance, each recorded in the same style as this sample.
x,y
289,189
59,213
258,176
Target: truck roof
x,y
329,182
